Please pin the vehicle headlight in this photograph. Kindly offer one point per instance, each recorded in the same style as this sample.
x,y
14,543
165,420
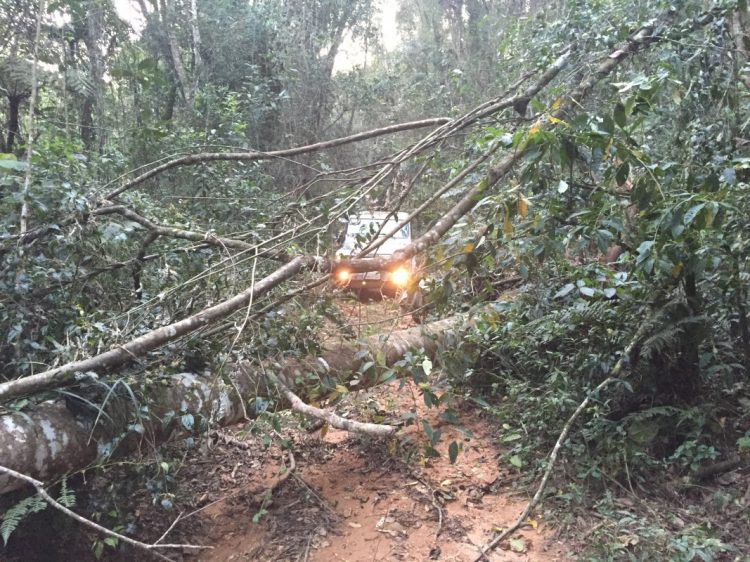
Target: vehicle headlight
x,y
400,276
343,275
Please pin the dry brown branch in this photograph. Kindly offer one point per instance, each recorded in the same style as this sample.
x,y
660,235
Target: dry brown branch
x,y
711,470
375,429
435,502
150,548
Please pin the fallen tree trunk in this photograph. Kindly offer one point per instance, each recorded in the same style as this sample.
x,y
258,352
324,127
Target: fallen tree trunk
x,y
48,440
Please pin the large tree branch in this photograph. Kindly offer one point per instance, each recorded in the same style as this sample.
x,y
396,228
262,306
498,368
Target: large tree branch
x,y
298,405
66,374
253,155
192,235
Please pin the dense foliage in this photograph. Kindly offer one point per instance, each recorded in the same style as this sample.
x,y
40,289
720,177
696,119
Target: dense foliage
x,y
627,217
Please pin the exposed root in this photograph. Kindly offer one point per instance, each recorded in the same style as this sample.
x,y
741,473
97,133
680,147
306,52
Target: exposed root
x,y
263,497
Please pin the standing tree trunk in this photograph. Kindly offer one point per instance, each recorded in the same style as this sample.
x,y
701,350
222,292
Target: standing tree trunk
x,y
14,105
91,109
178,68
197,60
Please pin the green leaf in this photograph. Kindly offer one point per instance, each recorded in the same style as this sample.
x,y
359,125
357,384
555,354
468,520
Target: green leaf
x,y
623,171
645,247
10,163
516,461
188,421
453,452
12,517
692,212
619,115
386,376
587,291
564,291
517,545
431,452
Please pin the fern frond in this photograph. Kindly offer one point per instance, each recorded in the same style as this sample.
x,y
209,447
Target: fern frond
x,y
12,517
67,496
79,83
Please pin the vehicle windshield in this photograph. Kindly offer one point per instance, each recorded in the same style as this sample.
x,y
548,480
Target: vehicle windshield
x,y
368,227
361,231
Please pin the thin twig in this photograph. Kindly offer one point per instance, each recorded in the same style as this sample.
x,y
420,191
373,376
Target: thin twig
x,y
169,530
138,544
435,502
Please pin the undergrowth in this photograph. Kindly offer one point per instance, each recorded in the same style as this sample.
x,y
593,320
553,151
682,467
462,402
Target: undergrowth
x,y
532,360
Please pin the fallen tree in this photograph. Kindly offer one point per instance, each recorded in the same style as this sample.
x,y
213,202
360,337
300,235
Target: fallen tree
x,y
49,440
66,374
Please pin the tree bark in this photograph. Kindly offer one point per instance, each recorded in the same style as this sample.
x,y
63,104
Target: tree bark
x,y
49,440
91,110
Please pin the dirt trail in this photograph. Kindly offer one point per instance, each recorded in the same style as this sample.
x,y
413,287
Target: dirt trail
x,y
351,499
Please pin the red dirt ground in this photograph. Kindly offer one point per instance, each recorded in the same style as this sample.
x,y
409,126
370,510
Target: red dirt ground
x,y
349,499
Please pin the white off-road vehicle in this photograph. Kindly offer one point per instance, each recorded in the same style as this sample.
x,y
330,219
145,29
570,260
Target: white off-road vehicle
x,y
399,280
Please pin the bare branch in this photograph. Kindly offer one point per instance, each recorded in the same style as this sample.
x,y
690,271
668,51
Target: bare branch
x,y
375,429
192,235
66,374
